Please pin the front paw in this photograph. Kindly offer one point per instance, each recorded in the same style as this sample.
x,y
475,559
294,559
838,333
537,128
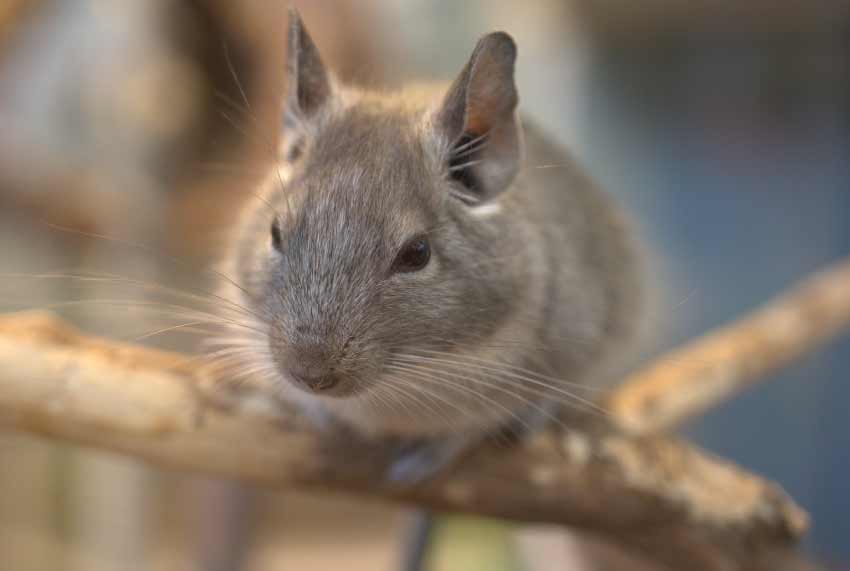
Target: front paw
x,y
417,463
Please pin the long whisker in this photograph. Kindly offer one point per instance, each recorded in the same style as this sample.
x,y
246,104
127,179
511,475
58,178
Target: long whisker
x,y
476,143
455,168
232,71
498,366
437,413
236,125
429,377
150,250
524,378
403,396
198,295
487,382
376,399
164,308
186,327
231,68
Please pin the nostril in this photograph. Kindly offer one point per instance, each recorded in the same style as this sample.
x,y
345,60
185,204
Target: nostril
x,y
315,383
311,366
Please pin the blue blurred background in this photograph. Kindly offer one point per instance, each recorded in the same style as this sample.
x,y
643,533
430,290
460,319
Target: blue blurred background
x,y
725,126
733,143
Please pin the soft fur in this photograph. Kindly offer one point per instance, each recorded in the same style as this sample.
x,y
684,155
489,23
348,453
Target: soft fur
x,y
532,288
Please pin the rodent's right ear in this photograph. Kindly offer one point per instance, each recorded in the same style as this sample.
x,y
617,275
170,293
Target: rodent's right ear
x,y
478,116
308,85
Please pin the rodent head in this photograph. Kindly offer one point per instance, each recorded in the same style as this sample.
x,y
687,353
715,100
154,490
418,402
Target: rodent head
x,y
379,233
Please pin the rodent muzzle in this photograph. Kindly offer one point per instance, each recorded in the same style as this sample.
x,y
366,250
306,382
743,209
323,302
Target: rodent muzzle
x,y
315,384
311,368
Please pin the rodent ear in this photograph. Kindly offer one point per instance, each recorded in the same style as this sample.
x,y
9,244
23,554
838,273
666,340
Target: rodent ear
x,y
307,83
478,116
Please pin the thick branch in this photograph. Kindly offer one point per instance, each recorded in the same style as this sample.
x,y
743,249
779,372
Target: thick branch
x,y
658,496
714,367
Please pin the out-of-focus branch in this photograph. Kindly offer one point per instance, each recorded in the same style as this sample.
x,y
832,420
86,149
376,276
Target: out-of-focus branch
x,y
709,370
655,495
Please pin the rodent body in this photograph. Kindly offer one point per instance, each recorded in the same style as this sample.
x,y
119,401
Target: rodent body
x,y
421,265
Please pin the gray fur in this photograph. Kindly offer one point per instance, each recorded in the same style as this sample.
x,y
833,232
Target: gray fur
x,y
537,274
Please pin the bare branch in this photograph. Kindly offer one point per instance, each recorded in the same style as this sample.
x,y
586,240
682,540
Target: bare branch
x,y
657,496
713,368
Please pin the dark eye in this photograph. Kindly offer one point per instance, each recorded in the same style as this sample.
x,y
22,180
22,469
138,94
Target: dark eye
x,y
276,239
413,256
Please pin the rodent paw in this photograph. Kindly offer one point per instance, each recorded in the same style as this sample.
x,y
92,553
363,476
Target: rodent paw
x,y
415,464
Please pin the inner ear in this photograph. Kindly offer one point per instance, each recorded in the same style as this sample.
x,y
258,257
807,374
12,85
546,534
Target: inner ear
x,y
478,116
465,154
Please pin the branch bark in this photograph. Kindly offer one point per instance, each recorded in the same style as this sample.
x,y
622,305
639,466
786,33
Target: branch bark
x,y
653,494
657,496
711,369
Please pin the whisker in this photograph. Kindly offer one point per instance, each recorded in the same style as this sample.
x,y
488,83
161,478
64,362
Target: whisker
x,y
232,71
249,111
150,250
428,376
399,398
524,378
194,294
271,207
249,136
181,327
478,141
436,412
455,168
164,308
527,402
494,366
550,166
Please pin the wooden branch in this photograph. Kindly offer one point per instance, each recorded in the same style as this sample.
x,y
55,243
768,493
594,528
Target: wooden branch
x,y
656,496
713,368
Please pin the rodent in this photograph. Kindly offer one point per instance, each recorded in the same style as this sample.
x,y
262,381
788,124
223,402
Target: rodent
x,y
409,270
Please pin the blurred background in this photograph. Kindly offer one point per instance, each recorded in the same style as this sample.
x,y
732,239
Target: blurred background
x,y
724,125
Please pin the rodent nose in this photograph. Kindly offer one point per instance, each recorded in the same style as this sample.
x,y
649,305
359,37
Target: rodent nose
x,y
316,384
310,368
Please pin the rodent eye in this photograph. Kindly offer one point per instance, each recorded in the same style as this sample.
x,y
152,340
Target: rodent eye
x,y
277,241
414,256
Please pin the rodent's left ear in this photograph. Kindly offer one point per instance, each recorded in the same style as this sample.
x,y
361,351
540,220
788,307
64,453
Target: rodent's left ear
x,y
307,83
479,117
